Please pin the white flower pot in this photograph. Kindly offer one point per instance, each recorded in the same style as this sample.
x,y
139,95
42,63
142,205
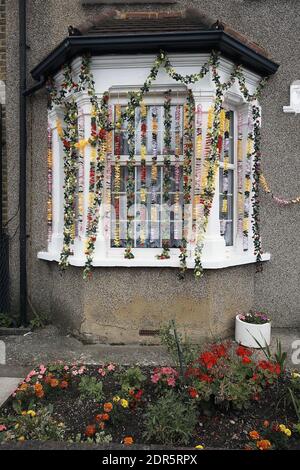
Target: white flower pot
x,y
246,332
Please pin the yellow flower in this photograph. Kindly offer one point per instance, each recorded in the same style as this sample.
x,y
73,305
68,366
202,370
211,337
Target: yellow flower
x,y
124,403
199,447
24,413
116,399
295,375
31,413
17,426
22,438
288,432
282,427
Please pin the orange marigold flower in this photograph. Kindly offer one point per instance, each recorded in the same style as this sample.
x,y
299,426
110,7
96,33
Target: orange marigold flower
x,y
54,383
23,387
107,407
128,441
254,435
40,394
264,444
38,387
64,384
90,430
98,418
105,417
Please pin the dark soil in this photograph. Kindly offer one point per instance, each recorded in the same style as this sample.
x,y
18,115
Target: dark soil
x,y
221,429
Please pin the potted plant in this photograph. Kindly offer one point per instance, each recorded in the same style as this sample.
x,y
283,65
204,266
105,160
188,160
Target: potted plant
x,y
253,329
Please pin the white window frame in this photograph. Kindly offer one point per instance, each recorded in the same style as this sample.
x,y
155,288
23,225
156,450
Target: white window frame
x,y
125,69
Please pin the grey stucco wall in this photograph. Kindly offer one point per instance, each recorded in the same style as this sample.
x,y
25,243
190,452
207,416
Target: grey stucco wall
x,y
113,296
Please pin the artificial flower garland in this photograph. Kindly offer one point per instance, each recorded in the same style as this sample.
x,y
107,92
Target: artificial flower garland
x,y
49,166
167,168
279,200
86,83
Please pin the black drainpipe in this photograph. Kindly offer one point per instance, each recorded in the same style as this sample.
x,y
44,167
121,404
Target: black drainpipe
x,y
22,162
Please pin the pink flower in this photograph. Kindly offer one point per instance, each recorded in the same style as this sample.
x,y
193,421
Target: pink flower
x,y
102,372
155,378
81,370
74,372
171,381
2,427
42,369
66,368
111,367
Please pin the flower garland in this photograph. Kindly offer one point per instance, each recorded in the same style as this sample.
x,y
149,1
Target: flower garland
x,y
143,192
130,186
117,173
177,232
189,118
81,150
240,177
255,188
248,183
279,200
99,143
153,232
107,215
70,139
49,165
86,83
167,168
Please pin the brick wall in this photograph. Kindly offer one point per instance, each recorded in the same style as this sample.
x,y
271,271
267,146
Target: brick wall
x,y
2,95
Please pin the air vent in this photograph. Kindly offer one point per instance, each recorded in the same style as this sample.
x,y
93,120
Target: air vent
x,y
149,332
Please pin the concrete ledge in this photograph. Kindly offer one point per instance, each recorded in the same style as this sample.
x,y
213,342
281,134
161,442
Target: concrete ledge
x,y
13,331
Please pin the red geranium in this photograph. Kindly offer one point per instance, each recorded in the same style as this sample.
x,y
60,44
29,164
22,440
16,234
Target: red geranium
x,y
219,350
246,360
208,359
241,351
206,378
193,392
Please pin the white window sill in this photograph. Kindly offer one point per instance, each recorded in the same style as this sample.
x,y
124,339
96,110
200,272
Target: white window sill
x,y
152,262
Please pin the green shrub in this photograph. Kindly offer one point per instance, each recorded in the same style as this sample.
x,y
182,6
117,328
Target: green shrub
x,y
90,388
6,321
131,378
33,425
170,420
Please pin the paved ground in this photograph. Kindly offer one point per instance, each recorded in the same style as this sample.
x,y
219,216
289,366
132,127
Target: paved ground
x,y
49,344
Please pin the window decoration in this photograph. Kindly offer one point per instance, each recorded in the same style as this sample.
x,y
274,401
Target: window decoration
x,y
101,128
49,164
248,183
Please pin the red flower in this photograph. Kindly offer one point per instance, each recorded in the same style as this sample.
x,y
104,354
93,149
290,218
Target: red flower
x,y
205,378
241,351
219,350
102,133
139,394
246,360
277,369
90,430
193,392
208,359
144,128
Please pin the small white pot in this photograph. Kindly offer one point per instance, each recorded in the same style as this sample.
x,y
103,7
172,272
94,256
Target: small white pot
x,y
246,332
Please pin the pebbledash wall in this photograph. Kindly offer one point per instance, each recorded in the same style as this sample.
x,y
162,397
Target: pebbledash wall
x,y
117,302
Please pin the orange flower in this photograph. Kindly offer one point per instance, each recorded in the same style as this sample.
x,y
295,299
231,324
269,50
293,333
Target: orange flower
x,y
64,384
98,418
38,388
90,430
54,383
48,379
266,423
128,441
23,387
254,435
105,417
263,444
40,394
101,425
107,407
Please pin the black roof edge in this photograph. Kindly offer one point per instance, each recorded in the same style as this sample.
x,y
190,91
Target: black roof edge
x,y
202,41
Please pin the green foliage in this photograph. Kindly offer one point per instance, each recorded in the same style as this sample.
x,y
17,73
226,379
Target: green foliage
x,y
39,426
180,349
90,388
39,320
6,321
131,378
170,420
99,438
278,356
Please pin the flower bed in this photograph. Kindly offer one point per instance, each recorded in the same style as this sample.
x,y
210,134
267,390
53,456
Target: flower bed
x,y
225,398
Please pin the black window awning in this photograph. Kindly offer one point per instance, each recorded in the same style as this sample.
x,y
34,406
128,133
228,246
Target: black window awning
x,y
140,43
